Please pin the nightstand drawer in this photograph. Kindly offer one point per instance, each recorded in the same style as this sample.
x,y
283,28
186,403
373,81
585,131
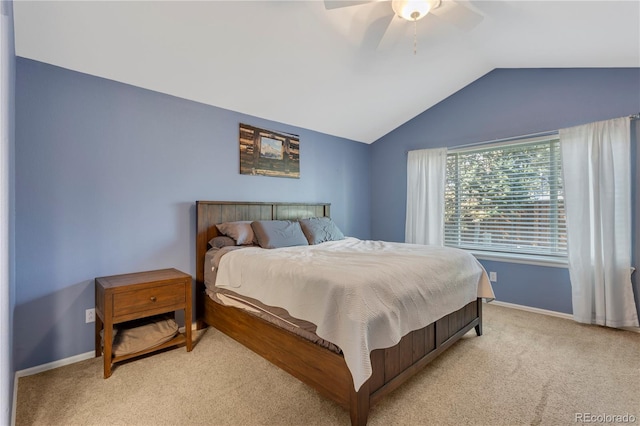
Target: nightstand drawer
x,y
148,298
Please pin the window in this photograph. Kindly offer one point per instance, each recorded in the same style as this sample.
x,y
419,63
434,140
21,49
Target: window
x,y
507,198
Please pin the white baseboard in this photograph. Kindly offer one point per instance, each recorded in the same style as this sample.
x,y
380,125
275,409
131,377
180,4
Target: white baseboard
x,y
55,364
550,313
531,309
194,327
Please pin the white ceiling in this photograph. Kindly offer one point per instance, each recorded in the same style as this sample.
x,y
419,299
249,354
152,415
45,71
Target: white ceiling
x,y
298,63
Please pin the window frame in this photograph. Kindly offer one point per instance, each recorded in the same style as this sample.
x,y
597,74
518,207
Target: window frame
x,y
551,259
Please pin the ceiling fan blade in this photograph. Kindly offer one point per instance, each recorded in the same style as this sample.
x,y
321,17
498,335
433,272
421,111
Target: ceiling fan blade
x,y
378,18
376,31
396,31
458,14
337,4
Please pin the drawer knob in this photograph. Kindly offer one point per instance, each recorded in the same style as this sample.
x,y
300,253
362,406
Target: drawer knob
x,y
153,298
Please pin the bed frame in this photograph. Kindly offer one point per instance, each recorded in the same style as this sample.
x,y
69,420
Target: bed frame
x,y
316,366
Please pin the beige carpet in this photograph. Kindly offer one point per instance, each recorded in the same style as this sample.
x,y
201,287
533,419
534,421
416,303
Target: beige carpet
x,y
525,369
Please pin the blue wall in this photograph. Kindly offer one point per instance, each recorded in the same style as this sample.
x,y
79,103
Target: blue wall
x,y
503,103
106,180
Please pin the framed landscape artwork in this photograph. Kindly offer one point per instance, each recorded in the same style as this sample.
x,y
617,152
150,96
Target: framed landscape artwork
x,y
269,153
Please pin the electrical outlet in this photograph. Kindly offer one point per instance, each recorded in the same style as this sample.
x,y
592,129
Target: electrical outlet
x,y
493,276
90,315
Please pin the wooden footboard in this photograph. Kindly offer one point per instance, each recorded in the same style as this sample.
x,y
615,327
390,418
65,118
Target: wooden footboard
x,y
393,366
326,371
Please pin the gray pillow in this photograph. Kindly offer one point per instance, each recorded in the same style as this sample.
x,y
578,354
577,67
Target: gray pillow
x,y
320,229
240,231
221,241
278,233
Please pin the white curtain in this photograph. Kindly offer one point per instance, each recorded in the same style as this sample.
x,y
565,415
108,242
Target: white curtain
x,y
597,185
426,175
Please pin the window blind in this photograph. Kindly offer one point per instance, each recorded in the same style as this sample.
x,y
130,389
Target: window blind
x,y
507,198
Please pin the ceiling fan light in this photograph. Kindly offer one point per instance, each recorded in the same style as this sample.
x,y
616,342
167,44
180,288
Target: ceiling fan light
x,y
412,10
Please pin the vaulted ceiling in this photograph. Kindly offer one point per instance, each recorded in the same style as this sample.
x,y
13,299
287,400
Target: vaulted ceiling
x,y
316,66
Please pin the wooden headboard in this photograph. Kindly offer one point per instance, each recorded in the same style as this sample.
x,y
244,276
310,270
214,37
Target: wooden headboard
x,y
210,213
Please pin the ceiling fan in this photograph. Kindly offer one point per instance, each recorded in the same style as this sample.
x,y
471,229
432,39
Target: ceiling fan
x,y
452,12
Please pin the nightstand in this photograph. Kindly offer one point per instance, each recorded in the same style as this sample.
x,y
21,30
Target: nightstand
x,y
126,297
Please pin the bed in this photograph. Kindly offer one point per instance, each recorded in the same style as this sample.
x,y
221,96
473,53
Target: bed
x,y
321,368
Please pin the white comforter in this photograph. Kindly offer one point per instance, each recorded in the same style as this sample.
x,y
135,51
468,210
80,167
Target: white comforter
x,y
362,295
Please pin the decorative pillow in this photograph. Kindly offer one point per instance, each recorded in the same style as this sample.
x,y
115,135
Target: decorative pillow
x,y
278,233
221,241
138,335
320,229
240,231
